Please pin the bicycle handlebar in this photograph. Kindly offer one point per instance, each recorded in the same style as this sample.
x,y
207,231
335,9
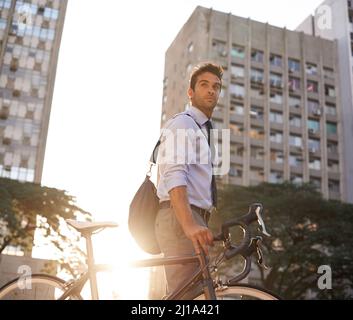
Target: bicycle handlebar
x,y
254,214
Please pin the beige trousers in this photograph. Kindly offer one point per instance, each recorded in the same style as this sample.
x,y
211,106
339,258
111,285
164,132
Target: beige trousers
x,y
173,242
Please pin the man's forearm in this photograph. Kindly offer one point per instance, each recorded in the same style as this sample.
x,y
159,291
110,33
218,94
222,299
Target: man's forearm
x,y
180,203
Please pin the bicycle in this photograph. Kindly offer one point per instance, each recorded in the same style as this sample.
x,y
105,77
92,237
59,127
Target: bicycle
x,y
57,289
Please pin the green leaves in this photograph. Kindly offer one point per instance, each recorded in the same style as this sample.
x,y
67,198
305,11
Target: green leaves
x,y
21,203
307,231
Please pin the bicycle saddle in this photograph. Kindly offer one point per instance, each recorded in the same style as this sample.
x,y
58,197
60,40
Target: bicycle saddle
x,y
86,226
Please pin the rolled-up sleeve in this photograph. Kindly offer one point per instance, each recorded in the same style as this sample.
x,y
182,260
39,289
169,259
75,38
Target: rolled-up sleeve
x,y
172,155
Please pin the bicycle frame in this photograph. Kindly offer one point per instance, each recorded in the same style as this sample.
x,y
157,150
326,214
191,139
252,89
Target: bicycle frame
x,y
76,286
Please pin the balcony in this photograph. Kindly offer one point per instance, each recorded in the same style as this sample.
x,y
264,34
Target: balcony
x,y
298,169
334,175
258,163
334,195
315,173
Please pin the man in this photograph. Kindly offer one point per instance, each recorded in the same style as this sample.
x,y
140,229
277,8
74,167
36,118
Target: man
x,y
187,190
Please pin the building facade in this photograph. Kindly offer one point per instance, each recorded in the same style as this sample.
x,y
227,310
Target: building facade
x,y
30,35
280,98
333,20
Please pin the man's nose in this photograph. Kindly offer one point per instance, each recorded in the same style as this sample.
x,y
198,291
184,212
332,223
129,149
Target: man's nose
x,y
211,91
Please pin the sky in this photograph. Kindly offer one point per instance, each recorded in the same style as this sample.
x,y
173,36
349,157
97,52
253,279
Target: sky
x,y
107,99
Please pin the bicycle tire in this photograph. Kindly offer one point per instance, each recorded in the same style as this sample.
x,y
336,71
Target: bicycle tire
x,y
37,287
242,292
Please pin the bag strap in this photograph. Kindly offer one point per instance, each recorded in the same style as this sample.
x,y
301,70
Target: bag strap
x,y
156,148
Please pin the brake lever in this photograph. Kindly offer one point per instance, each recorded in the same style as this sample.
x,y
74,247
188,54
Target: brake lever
x,y
261,222
260,256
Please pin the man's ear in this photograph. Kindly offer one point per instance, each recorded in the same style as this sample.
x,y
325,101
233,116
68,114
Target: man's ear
x,y
190,93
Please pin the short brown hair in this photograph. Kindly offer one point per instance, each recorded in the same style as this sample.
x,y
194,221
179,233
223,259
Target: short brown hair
x,y
205,67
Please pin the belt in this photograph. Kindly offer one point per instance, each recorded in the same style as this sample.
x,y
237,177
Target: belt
x,y
202,212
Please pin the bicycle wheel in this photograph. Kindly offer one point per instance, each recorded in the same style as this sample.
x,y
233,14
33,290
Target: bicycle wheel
x,y
242,292
36,287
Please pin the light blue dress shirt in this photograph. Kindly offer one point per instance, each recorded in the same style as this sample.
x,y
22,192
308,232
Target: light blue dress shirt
x,y
196,176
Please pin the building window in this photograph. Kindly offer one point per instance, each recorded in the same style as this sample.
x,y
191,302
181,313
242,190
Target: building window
x,y
256,175
236,149
276,156
295,121
313,126
237,91
257,56
256,75
220,47
316,182
330,109
329,73
314,145
295,160
333,166
276,98
275,60
293,65
334,186
331,128
257,112
332,147
237,109
238,52
257,153
330,91
295,140
312,86
293,83
276,137
294,102
275,177
276,80
276,117
256,133
315,164
314,107
235,171
236,128
311,69
237,71
296,179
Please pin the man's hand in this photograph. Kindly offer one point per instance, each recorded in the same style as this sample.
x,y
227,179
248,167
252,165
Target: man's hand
x,y
199,235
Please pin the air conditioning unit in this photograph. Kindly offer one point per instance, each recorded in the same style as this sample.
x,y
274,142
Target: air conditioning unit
x,y
317,112
297,106
224,53
312,150
311,130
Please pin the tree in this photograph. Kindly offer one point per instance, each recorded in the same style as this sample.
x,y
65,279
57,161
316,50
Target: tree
x,y
307,232
26,207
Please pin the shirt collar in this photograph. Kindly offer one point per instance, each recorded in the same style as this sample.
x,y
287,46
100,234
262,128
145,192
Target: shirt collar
x,y
198,115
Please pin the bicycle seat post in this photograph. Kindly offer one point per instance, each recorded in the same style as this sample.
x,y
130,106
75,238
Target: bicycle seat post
x,y
91,266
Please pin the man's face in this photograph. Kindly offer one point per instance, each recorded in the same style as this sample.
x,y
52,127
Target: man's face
x,y
206,93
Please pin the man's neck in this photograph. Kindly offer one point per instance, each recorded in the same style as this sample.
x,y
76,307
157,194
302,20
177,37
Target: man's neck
x,y
207,113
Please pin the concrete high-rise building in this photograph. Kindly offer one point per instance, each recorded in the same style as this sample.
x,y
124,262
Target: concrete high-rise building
x,y
333,20
280,98
30,34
